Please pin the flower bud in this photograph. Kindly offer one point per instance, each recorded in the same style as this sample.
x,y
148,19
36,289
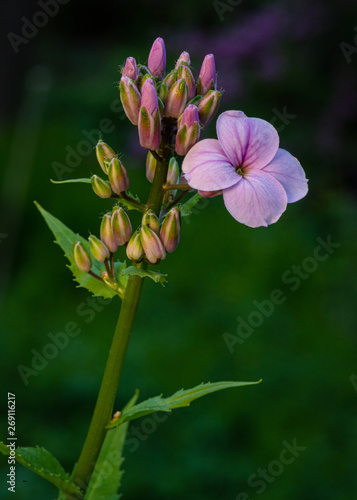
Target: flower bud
x,y
131,69
163,92
207,79
103,152
118,176
98,249
130,98
208,107
157,58
173,171
152,245
185,73
135,250
149,117
170,230
100,187
150,219
188,131
106,233
176,99
151,163
81,257
171,78
183,59
121,226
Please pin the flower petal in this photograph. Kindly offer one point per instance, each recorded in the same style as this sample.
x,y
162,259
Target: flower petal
x,y
207,168
256,200
286,169
248,142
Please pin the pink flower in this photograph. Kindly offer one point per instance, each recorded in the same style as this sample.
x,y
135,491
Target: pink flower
x,y
257,178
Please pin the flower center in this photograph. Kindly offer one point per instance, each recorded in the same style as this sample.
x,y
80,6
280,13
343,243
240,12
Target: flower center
x,y
240,171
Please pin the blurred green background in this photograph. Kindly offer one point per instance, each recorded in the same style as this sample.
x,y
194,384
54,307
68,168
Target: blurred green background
x,y
271,57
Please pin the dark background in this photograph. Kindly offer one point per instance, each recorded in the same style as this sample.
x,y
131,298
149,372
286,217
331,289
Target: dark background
x,y
270,56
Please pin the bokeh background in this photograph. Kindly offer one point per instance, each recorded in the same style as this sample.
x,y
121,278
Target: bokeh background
x,y
291,63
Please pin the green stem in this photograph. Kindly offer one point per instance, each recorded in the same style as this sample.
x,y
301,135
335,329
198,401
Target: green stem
x,y
105,402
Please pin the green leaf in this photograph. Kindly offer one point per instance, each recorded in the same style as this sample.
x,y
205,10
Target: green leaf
x,y
70,181
43,463
157,277
186,208
179,399
106,478
65,239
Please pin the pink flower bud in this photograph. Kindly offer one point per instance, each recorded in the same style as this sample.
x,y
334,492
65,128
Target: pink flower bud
x,y
130,98
131,69
173,171
150,219
81,257
135,250
171,78
176,99
118,176
149,117
170,230
106,233
207,79
183,59
152,245
98,249
101,187
104,152
208,107
157,58
188,131
150,167
185,73
121,226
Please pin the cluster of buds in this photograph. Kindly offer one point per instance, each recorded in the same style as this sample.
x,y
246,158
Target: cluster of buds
x,y
150,242
149,97
115,231
118,176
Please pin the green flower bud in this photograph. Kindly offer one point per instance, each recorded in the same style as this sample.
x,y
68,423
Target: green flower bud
x,y
98,249
173,171
170,230
152,245
81,257
118,176
103,151
135,250
150,167
106,233
163,93
121,226
100,187
150,219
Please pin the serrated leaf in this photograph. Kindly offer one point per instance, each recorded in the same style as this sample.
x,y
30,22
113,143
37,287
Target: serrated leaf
x,y
106,478
43,463
179,399
65,238
155,276
186,208
70,181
